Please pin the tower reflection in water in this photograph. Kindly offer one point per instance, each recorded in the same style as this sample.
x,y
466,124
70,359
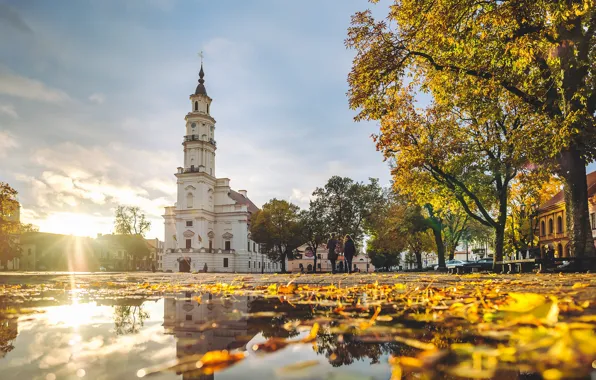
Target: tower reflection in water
x,y
206,324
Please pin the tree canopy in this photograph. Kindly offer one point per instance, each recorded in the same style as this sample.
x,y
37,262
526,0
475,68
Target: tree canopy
x,y
276,226
531,63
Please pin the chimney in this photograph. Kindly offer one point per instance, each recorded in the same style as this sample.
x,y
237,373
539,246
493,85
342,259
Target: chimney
x,y
243,192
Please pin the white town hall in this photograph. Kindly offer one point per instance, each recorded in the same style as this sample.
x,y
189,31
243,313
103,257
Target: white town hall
x,y
207,228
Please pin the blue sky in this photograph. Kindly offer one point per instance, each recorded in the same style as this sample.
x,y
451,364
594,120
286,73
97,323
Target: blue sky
x,y
93,96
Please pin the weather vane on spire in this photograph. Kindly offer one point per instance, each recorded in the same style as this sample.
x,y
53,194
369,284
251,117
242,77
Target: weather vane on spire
x,y
201,55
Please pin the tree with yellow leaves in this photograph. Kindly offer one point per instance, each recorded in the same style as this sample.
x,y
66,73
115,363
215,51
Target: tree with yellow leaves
x,y
541,53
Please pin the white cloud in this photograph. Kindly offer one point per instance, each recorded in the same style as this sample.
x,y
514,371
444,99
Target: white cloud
x,y
97,98
23,87
8,109
7,142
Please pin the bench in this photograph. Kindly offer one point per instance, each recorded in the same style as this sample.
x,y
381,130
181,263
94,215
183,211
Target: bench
x,y
527,265
517,266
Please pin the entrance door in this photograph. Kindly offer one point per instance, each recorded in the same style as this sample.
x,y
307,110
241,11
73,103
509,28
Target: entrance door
x,y
184,265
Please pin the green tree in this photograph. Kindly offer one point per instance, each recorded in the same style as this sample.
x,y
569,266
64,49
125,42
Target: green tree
x,y
129,220
314,227
346,204
541,53
129,319
132,225
385,260
277,227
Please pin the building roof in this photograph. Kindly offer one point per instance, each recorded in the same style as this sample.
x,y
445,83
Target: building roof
x,y
241,199
201,90
560,196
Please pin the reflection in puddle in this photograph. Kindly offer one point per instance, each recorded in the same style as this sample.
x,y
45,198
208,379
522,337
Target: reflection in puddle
x,y
113,339
54,336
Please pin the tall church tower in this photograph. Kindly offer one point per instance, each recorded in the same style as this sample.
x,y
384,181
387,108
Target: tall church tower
x,y
199,140
207,228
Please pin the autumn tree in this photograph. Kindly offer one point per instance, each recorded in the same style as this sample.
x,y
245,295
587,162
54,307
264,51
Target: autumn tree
x,y
467,149
530,189
277,227
541,53
10,225
346,204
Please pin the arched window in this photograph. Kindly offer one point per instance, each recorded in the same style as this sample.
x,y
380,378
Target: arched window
x,y
189,200
207,107
551,226
559,250
542,229
196,106
559,225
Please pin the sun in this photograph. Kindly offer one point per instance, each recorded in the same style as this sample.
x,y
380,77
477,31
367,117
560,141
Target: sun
x,y
78,224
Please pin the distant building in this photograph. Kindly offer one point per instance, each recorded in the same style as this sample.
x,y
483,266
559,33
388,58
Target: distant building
x,y
156,250
46,251
551,224
304,261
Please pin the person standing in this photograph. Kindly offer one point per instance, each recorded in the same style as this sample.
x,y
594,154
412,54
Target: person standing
x,y
349,252
331,253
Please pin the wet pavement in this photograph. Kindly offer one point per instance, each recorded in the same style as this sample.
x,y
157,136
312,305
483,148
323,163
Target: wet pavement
x,y
123,326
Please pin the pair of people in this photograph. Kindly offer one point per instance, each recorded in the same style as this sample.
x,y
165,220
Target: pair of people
x,y
349,249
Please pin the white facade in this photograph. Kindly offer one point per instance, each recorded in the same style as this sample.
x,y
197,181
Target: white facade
x,y
360,262
207,228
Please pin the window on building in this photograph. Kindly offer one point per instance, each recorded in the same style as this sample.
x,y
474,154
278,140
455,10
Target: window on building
x,y
189,223
248,246
542,228
188,243
249,265
551,226
188,295
228,245
189,200
189,317
196,106
319,256
207,107
559,225
210,245
225,262
254,246
319,266
259,265
593,220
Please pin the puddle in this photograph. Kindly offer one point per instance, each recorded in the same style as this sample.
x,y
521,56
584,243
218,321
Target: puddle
x,y
116,338
69,335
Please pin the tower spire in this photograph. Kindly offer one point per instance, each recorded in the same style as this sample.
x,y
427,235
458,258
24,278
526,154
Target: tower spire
x,y
201,90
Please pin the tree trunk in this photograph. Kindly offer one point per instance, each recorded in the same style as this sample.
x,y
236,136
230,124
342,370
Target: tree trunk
x,y
573,171
283,261
440,247
499,243
418,260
